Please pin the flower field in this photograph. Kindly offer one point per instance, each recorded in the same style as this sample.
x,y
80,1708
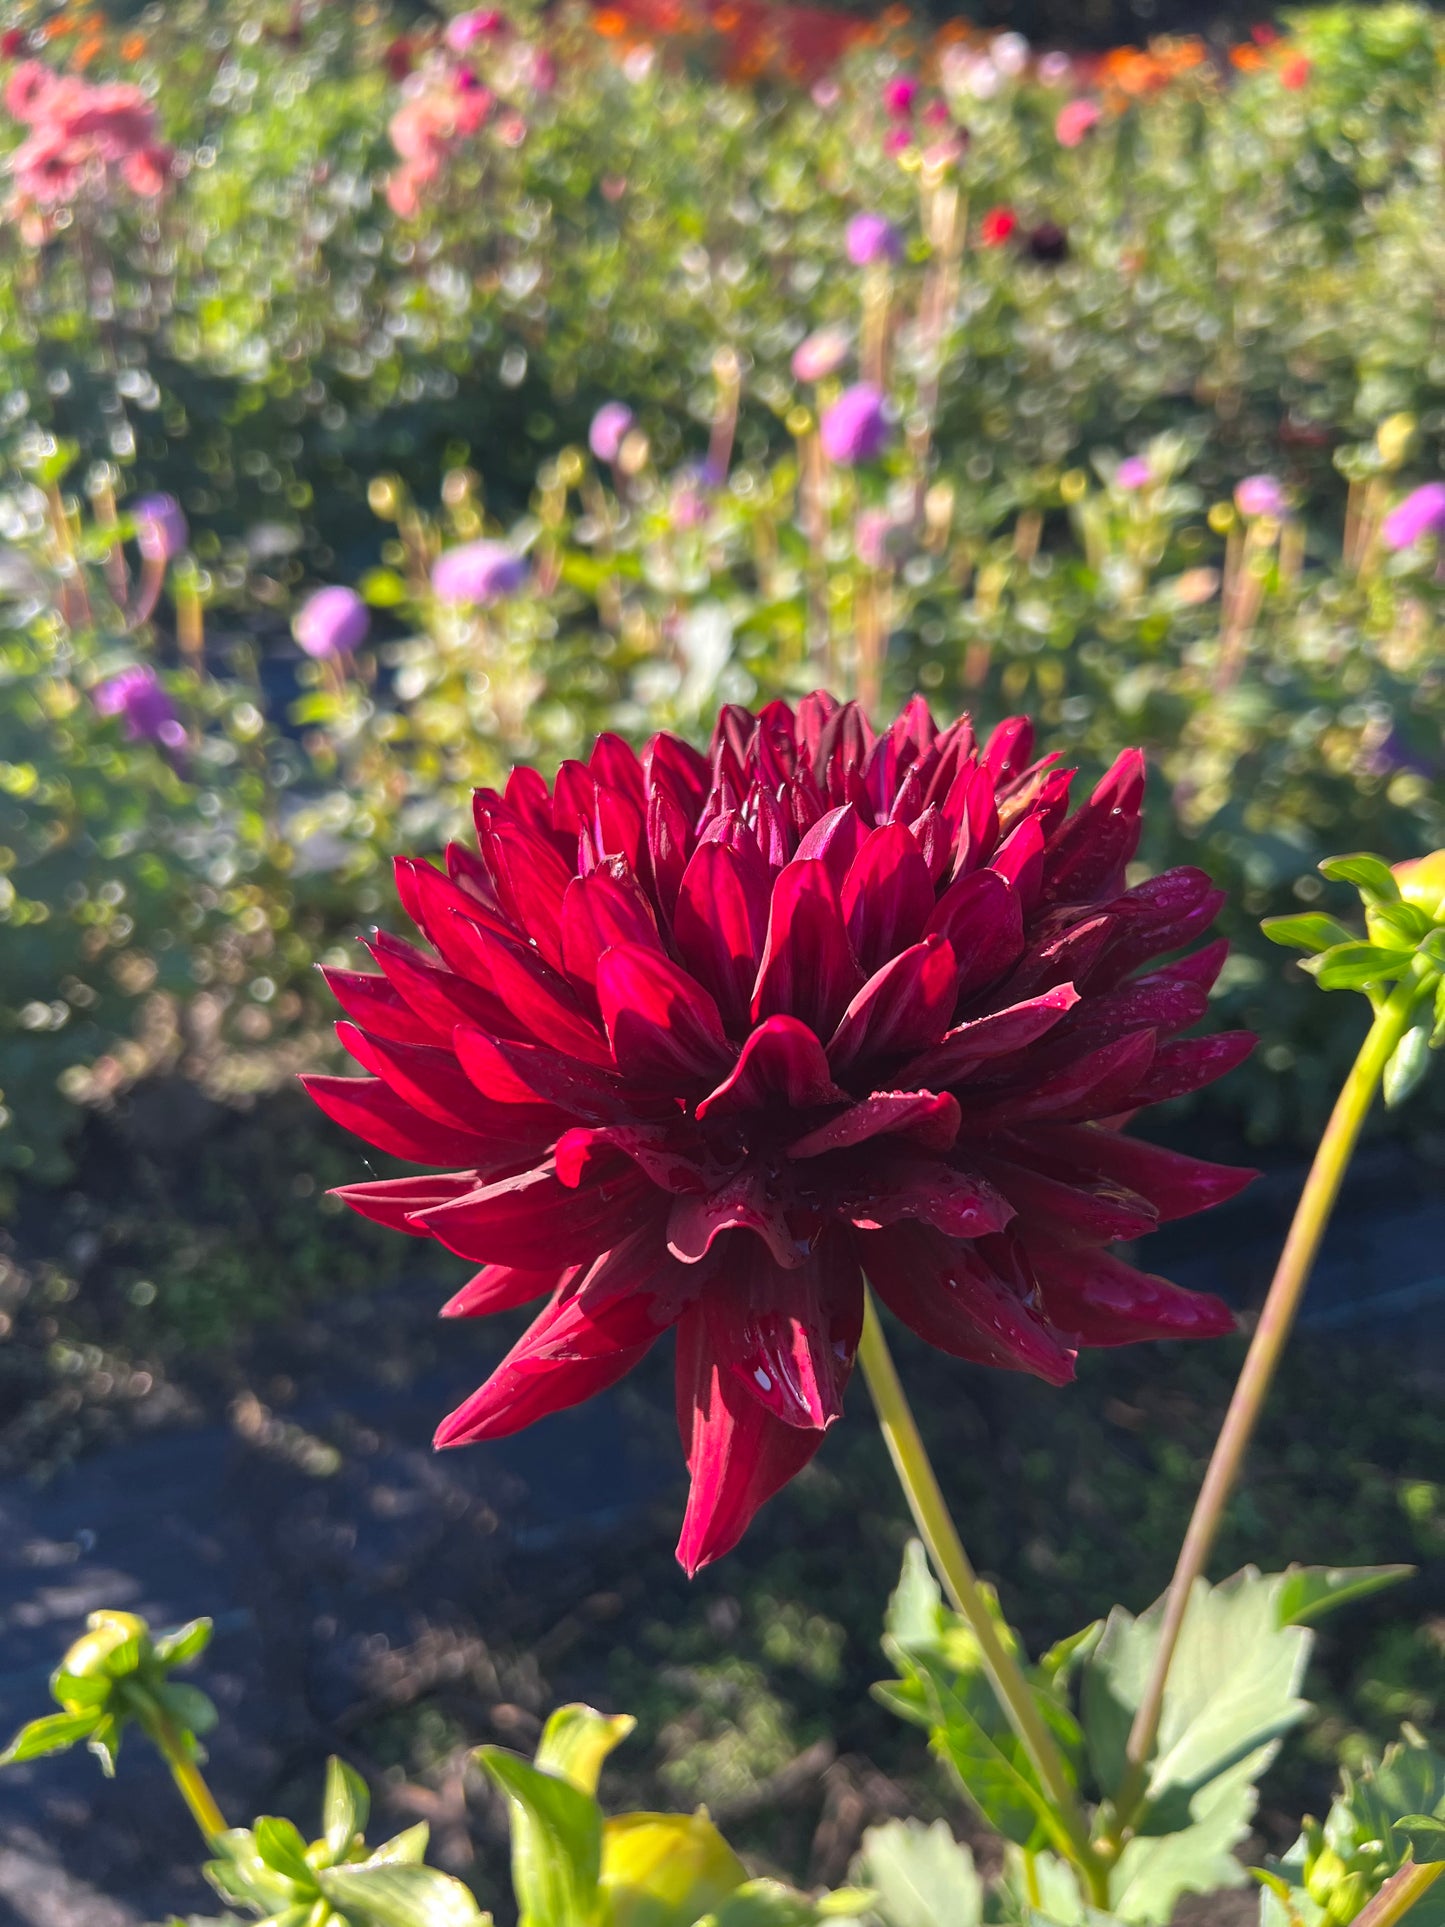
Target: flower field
x,y
710,477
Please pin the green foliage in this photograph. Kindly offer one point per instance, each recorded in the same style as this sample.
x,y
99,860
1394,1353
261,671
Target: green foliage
x,y
921,1876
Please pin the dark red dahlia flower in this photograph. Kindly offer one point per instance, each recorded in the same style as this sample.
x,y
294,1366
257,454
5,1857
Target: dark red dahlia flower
x,y
711,1037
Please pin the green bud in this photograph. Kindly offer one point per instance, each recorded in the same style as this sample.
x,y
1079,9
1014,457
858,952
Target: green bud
x,y
1422,882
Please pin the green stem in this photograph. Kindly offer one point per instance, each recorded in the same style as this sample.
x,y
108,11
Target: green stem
x,y
951,1562
1296,1261
188,1778
1399,1894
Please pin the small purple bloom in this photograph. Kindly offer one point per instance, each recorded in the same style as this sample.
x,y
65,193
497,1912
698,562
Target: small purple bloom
x,y
1261,495
822,354
611,426
160,527
855,428
870,238
1421,513
478,573
1133,473
333,622
144,708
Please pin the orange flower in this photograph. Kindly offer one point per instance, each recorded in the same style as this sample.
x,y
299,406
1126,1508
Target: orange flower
x,y
610,23
1249,60
133,46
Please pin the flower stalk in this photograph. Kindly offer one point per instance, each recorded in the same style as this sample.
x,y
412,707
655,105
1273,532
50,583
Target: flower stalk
x,y
1399,1894
1312,1215
190,1782
960,1583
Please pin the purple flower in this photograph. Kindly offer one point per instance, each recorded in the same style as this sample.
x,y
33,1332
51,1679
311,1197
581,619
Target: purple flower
x,y
145,710
1133,472
870,238
1261,495
333,622
1422,513
160,527
822,354
610,428
478,573
855,428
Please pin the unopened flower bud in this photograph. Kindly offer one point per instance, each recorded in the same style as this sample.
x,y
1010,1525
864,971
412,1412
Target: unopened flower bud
x,y
1422,882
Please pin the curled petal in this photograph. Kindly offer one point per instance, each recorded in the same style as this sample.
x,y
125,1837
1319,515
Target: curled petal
x,y
722,921
1100,1210
606,908
997,1035
501,1288
1102,1301
902,1007
961,1204
650,1147
928,1118
743,1202
536,1222
788,1335
1019,860
1099,1084
393,1201
738,1454
808,969
663,1026
365,1106
531,880
783,1064
1188,1066
887,896
1087,855
1175,1185
1152,919
982,919
380,1008
946,1291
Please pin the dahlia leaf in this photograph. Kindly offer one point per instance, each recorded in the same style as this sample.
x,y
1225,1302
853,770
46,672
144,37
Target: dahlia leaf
x,y
921,1876
577,1739
1409,1061
1426,1835
1307,1593
344,1807
1150,1876
52,1734
556,1841
381,1894
1358,966
1371,876
1314,932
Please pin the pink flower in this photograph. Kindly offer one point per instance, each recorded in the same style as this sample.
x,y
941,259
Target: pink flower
x,y
1133,473
486,23
1420,514
899,95
898,140
821,354
870,238
333,622
997,227
1075,119
698,1041
1261,495
160,527
477,573
28,88
145,710
855,429
611,426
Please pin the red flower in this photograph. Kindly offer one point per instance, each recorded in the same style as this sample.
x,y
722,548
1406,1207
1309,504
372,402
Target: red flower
x,y
1294,73
711,1037
997,227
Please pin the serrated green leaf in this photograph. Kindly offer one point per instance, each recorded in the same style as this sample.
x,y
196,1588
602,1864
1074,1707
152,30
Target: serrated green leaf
x,y
556,1841
1313,931
386,1895
1370,875
577,1739
1355,966
921,1876
1409,1062
183,1643
345,1806
280,1846
1307,1593
52,1734
1426,1835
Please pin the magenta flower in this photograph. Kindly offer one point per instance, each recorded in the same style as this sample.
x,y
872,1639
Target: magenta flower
x,y
611,426
1133,473
899,96
1075,119
870,238
333,622
822,354
1420,514
478,573
855,429
1261,495
484,23
697,1041
160,527
146,712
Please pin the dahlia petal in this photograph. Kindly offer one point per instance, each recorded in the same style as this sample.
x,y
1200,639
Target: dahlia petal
x,y
669,761
440,998
621,825
433,1083
436,905
1142,1003
998,1034
1099,1210
928,1118
582,1090
1201,967
500,1288
649,1146
944,1290
365,1106
961,1204
391,1201
1006,753
663,1026
744,1202
538,1223
782,1063
616,766
835,839
1155,917
887,896
574,799
527,798
930,832
1056,956
608,907
1179,1068
1041,794
721,922
788,1335
531,880
472,877
669,845
982,922
1099,1084
380,1008
737,1453
531,1383
1087,856
1102,1301
808,969
775,742
1174,1184
972,811
902,1007
540,1000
